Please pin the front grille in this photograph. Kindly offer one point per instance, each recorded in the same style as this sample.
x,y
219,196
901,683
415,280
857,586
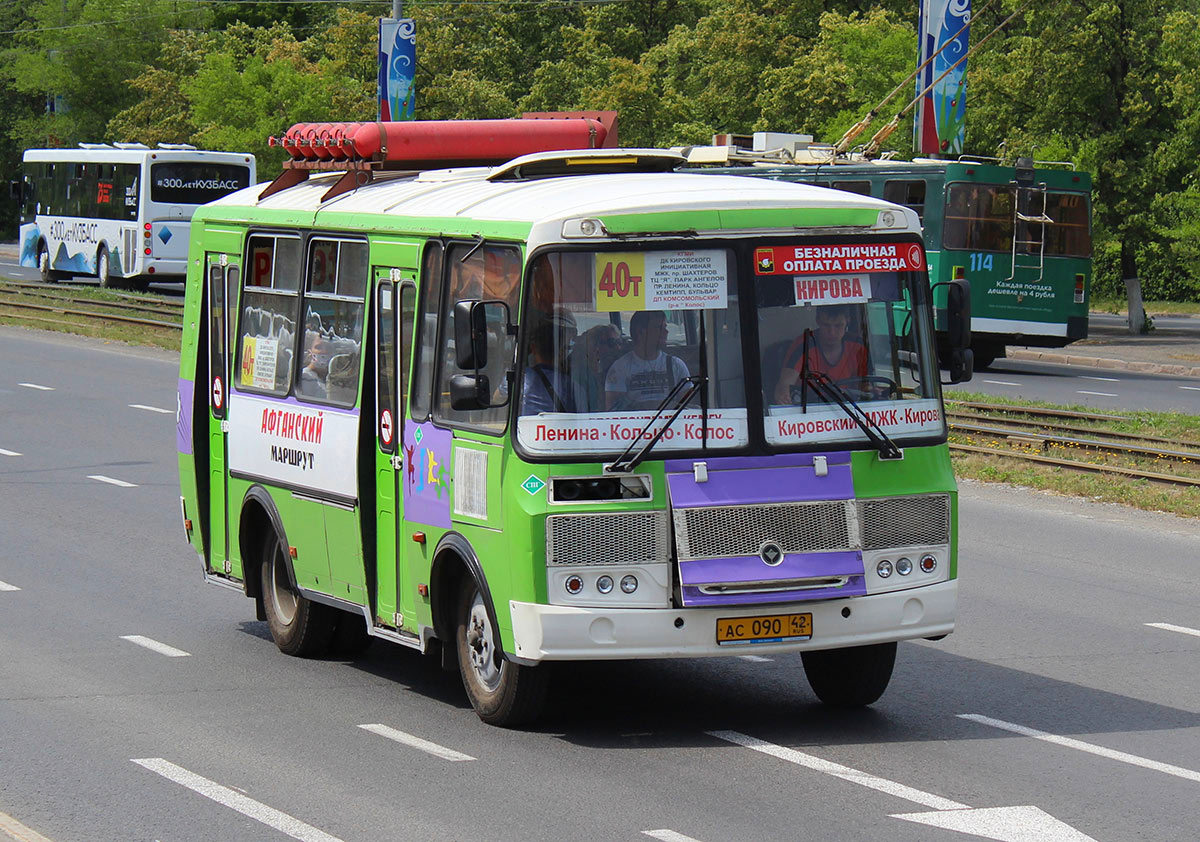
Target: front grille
x,y
724,531
626,538
904,521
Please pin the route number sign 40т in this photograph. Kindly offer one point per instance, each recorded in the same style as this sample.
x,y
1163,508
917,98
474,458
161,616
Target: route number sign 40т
x,y
616,280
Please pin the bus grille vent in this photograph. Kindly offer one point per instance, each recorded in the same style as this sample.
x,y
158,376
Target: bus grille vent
x,y
725,531
625,538
921,520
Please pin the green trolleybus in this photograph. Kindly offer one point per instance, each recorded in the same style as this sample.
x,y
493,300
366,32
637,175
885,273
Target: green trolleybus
x,y
574,405
1021,235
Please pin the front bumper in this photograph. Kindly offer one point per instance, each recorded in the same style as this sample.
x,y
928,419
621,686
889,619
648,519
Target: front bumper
x,y
561,633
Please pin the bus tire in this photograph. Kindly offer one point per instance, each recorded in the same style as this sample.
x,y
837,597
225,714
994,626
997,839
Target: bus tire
x,y
49,276
298,626
503,693
850,678
104,268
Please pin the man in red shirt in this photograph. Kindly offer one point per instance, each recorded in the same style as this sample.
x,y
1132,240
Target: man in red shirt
x,y
829,352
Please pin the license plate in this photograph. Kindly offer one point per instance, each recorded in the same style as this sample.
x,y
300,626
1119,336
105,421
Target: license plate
x,y
770,628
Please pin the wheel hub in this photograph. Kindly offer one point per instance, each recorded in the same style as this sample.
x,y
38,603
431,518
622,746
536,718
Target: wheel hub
x,y
479,646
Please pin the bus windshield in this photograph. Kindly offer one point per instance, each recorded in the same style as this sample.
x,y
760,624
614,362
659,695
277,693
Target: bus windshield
x,y
195,182
608,335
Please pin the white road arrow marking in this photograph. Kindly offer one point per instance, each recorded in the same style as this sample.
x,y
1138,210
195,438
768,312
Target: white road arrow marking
x,y
1007,824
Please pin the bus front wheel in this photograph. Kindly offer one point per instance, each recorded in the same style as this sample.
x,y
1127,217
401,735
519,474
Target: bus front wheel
x,y
104,268
298,626
502,693
850,678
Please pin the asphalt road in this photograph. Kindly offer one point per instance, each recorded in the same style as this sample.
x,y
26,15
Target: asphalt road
x,y
1102,389
104,738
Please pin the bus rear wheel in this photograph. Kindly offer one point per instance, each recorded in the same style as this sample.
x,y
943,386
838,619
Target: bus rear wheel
x,y
49,276
104,269
502,693
850,678
298,626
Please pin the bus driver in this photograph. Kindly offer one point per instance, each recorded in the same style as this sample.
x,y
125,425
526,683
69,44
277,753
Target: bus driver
x,y
829,352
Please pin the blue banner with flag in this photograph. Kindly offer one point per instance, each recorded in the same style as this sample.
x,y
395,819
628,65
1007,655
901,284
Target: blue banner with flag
x,y
939,125
397,67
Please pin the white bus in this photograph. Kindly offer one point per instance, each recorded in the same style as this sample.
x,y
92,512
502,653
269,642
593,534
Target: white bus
x,y
121,212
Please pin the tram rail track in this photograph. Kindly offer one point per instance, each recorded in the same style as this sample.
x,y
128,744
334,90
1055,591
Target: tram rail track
x,y
28,300
1041,437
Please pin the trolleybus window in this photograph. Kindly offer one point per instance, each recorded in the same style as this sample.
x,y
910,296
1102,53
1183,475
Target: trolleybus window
x,y
1070,233
333,321
980,217
862,188
269,310
911,194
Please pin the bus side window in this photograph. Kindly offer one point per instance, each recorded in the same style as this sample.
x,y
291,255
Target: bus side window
x,y
911,194
488,272
426,330
270,300
334,305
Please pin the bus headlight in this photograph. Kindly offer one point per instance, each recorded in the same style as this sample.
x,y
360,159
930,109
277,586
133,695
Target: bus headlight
x,y
629,584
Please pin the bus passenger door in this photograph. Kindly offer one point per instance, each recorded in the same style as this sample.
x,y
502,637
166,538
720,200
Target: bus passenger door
x,y
221,281
395,303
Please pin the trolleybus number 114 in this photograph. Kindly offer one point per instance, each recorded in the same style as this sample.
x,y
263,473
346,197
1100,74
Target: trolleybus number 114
x,y
773,628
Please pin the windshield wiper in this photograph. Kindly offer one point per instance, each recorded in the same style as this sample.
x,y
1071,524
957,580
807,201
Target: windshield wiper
x,y
830,391
694,385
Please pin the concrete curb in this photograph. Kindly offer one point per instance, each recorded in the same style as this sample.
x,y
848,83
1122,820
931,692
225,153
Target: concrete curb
x,y
1103,362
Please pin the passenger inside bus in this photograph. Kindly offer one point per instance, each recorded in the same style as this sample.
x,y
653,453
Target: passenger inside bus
x,y
546,386
827,349
317,355
647,373
591,357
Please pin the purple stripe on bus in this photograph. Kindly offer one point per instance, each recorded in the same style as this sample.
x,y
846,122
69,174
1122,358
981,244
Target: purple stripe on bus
x,y
782,460
693,597
760,485
183,416
706,571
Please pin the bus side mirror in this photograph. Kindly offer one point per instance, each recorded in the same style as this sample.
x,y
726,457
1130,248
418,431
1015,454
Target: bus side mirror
x,y
958,330
470,391
470,335
958,314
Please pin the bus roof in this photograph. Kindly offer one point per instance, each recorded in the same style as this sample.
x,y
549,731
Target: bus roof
x,y
461,199
114,155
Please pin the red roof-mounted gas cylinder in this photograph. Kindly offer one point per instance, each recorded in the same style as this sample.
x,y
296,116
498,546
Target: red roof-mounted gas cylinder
x,y
423,144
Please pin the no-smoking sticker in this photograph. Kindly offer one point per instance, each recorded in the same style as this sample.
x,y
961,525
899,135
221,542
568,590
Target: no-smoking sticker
x,y
218,393
385,426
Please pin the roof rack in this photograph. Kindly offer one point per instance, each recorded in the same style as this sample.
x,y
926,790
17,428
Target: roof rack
x,y
94,146
360,150
181,146
131,146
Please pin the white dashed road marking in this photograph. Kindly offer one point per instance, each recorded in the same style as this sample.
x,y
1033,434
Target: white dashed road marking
x,y
5,586
4,452
1105,379
1169,627
1101,394
36,386
757,659
1191,388
1002,382
111,481
161,648
152,408
227,797
1101,751
854,776
15,830
416,742
668,836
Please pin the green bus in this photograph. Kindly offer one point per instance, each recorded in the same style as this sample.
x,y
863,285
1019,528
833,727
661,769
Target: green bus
x,y
574,406
1020,234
